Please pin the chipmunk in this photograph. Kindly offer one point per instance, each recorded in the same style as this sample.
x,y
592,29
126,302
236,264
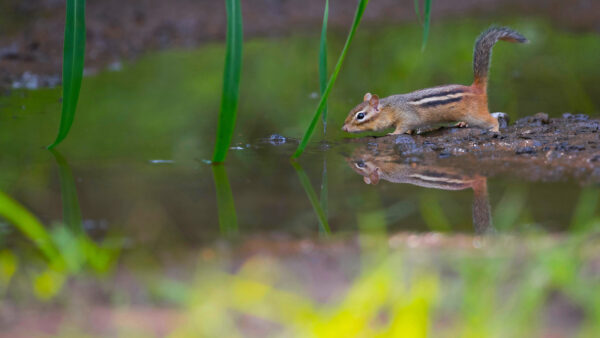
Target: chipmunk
x,y
466,105
387,164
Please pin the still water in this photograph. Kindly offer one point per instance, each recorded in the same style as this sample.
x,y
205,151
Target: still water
x,y
133,185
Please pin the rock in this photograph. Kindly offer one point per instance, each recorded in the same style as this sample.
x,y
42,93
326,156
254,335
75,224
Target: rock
x,y
581,117
535,120
405,144
277,139
404,139
503,119
542,117
525,150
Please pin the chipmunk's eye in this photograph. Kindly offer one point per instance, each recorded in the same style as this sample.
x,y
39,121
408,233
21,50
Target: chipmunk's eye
x,y
360,116
360,164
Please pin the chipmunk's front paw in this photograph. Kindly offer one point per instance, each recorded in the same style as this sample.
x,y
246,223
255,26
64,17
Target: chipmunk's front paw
x,y
461,125
400,132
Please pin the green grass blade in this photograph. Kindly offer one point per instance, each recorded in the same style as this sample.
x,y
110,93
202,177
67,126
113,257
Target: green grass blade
x,y
73,57
68,190
311,128
29,225
426,25
324,190
417,4
231,80
312,197
323,61
225,204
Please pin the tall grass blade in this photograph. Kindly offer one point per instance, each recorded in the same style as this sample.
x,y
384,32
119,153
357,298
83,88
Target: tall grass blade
x,y
225,204
73,57
29,225
231,80
417,4
323,62
68,190
311,128
324,190
312,197
426,24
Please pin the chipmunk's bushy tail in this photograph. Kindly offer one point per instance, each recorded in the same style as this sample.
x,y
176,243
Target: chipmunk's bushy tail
x,y
483,50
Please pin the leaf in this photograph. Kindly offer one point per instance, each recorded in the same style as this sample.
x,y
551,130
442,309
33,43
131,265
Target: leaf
x,y
418,11
323,61
426,25
73,59
231,80
29,225
311,128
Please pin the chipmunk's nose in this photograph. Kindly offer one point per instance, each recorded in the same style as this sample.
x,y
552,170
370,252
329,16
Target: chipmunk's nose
x,y
344,128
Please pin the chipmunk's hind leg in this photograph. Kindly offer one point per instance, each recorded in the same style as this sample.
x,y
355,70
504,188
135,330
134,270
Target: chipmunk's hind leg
x,y
484,121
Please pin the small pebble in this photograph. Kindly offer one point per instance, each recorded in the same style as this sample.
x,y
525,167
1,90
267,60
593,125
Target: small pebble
x,y
542,117
525,150
277,139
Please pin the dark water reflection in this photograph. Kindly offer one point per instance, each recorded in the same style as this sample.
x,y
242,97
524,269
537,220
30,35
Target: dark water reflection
x,y
171,204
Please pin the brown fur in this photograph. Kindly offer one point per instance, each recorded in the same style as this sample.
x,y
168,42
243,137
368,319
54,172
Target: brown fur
x,y
426,107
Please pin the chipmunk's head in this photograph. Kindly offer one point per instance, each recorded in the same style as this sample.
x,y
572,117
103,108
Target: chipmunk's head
x,y
365,116
369,170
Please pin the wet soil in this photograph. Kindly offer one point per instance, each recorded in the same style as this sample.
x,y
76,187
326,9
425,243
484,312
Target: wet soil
x,y
32,30
534,148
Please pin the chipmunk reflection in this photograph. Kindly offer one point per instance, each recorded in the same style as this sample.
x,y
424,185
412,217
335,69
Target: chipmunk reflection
x,y
388,167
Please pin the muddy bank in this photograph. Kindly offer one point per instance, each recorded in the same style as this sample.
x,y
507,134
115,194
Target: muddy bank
x,y
534,148
32,30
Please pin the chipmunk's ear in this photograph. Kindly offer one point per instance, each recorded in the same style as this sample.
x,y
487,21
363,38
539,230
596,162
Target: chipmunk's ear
x,y
374,101
367,97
